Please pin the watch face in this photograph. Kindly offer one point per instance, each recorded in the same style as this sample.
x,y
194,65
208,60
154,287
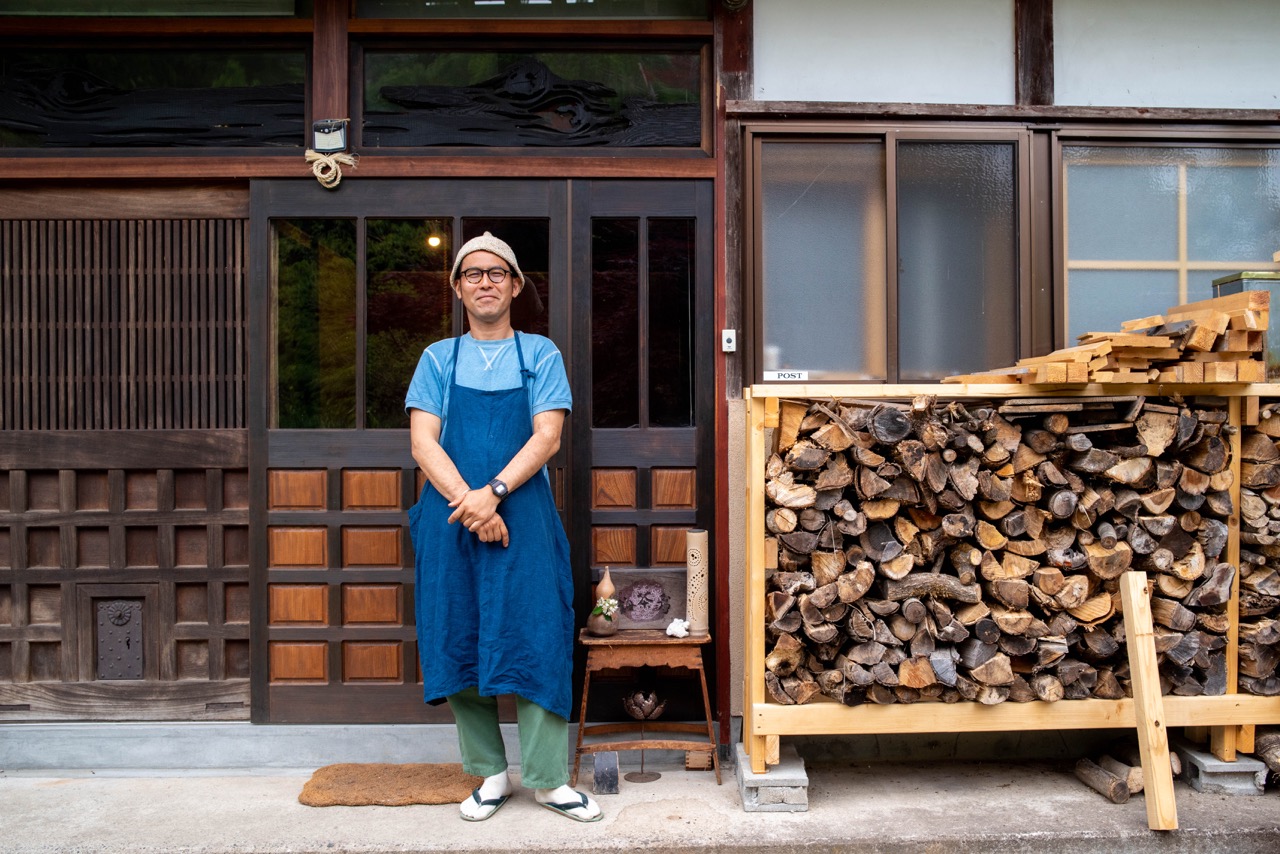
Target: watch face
x,y
499,488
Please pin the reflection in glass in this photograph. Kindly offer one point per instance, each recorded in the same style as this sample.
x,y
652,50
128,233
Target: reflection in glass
x,y
152,98
315,323
409,306
554,98
651,9
615,335
958,258
530,239
671,349
823,220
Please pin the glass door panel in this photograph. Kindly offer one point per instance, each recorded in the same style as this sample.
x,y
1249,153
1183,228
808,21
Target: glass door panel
x,y
408,306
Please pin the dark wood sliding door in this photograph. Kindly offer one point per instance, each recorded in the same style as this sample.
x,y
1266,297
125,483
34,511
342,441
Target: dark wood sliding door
x,y
349,287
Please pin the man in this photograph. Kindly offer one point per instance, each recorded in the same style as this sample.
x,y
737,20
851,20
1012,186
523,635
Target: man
x,y
494,589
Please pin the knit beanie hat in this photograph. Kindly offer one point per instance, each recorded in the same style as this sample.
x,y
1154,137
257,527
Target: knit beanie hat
x,y
486,243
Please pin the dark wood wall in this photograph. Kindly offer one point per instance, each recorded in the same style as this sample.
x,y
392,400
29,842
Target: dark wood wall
x,y
124,492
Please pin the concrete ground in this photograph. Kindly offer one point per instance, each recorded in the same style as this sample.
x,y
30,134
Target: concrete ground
x,y
853,807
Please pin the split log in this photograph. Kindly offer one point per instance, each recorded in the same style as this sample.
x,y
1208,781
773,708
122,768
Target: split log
x,y
1131,775
1102,781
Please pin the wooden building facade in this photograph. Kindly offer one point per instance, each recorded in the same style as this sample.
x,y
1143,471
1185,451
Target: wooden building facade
x,y
204,457
204,465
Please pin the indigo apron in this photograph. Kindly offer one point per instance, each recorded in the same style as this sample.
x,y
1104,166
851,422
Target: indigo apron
x,y
500,619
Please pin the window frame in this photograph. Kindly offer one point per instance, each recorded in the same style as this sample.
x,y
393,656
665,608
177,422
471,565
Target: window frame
x,y
755,134
1227,137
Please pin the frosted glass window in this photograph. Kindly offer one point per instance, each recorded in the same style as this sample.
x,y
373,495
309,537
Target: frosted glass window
x,y
1233,209
824,260
1152,227
1099,297
957,258
1144,226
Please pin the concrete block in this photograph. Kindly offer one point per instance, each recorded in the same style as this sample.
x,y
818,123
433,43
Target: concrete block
x,y
605,779
1207,773
783,788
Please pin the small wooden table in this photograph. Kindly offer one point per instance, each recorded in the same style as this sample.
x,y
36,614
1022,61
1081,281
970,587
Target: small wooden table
x,y
640,648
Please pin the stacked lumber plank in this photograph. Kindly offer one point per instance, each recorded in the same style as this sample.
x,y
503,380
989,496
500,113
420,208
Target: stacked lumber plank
x,y
1220,340
939,552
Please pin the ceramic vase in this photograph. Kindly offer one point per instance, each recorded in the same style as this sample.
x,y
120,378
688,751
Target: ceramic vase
x,y
601,626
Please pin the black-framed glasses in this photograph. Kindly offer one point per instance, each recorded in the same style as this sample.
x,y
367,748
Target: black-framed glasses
x,y
497,275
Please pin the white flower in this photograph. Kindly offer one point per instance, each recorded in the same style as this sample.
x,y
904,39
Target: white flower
x,y
679,628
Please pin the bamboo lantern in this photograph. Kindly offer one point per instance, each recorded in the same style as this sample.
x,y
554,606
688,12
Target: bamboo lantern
x,y
696,580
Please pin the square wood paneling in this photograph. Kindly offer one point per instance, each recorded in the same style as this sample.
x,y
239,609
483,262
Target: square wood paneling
x,y
667,546
296,490
44,549
91,491
377,489
299,661
5,501
235,659
6,605
235,490
299,605
190,546
42,490
193,659
44,604
372,661
613,488
236,599
371,547
674,489
44,662
5,561
296,547
377,604
93,548
6,662
141,491
613,545
191,603
189,490
141,547
235,545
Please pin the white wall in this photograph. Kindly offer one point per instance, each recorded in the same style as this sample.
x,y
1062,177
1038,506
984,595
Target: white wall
x,y
1167,53
908,51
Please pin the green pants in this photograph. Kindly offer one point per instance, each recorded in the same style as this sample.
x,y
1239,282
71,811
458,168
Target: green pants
x,y
544,740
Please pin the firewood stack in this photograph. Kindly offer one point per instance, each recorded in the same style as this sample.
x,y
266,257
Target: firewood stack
x,y
931,551
1260,555
1221,340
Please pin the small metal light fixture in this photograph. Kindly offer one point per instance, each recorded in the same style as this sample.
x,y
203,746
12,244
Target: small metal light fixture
x,y
329,135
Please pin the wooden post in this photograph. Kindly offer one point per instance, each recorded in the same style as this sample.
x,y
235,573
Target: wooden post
x,y
753,633
1223,739
1148,708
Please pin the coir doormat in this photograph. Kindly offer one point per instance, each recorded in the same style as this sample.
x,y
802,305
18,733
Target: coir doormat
x,y
389,785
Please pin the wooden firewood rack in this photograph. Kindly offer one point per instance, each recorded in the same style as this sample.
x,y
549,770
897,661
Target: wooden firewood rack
x,y
1230,717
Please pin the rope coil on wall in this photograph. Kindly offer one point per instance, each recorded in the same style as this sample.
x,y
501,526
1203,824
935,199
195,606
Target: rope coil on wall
x,y
328,167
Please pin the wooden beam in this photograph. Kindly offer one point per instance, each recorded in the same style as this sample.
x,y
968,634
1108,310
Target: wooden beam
x,y
795,111
329,93
1148,709
1033,51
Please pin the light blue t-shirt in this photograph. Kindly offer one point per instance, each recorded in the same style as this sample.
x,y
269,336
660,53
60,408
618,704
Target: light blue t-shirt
x,y
490,366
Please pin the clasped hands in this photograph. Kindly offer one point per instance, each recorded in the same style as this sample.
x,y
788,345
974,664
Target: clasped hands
x,y
477,509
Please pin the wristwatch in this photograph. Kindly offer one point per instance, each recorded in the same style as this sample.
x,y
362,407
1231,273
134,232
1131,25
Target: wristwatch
x,y
499,488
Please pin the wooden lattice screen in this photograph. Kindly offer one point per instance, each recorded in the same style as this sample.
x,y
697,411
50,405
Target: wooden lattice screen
x,y
122,324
